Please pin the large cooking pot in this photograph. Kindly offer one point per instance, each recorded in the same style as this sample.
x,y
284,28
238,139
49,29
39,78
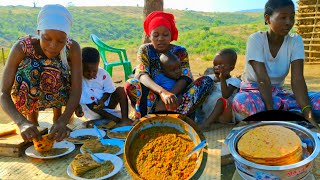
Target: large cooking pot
x,y
181,123
249,170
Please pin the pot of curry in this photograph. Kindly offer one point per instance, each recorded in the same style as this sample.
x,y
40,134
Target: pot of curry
x,y
273,150
156,148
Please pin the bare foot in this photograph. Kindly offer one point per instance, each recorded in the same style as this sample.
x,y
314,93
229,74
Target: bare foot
x,y
79,112
115,119
126,122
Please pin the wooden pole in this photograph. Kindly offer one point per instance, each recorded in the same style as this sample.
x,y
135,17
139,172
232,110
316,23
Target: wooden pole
x,y
3,58
150,6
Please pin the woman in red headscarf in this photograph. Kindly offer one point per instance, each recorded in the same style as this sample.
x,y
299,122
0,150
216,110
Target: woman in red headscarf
x,y
146,95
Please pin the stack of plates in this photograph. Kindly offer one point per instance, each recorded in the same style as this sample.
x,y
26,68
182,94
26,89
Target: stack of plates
x,y
271,145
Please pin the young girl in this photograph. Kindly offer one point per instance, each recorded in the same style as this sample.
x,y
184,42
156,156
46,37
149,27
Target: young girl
x,y
217,107
99,95
269,57
42,72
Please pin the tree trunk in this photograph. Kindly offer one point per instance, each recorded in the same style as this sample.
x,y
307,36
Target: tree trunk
x,y
150,6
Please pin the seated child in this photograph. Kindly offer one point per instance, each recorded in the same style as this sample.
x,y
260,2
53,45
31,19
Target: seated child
x,y
169,74
171,71
217,107
99,95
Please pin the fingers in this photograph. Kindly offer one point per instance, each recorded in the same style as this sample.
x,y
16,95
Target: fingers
x,y
58,134
52,133
98,106
36,134
31,133
171,103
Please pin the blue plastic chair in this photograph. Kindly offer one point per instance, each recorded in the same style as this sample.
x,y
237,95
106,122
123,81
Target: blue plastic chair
x,y
108,66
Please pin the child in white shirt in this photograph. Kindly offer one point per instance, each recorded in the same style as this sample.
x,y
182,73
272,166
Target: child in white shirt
x,y
217,107
99,95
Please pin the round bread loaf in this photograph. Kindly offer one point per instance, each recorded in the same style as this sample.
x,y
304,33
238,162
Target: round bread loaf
x,y
271,145
43,145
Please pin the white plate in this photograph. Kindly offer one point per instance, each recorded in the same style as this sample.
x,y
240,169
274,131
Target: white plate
x,y
115,142
30,151
116,161
83,132
120,129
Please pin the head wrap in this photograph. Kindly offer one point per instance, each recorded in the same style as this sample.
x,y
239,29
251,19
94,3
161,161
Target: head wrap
x,y
56,17
159,18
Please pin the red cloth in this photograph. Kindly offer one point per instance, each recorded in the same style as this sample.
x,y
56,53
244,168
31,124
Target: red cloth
x,y
159,18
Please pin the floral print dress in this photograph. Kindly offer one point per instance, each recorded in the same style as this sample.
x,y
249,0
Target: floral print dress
x,y
249,101
40,82
144,100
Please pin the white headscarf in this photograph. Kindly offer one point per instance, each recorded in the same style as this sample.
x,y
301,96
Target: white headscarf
x,y
56,17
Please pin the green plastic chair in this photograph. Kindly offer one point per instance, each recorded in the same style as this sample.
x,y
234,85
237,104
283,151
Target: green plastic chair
x,y
123,59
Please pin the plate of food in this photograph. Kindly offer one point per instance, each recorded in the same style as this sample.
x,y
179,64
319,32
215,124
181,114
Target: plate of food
x,y
104,124
57,150
79,136
93,170
119,132
114,146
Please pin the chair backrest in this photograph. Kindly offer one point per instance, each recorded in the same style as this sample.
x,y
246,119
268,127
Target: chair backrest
x,y
102,48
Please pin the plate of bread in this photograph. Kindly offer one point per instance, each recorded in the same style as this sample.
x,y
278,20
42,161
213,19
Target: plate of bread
x,y
84,167
114,146
80,136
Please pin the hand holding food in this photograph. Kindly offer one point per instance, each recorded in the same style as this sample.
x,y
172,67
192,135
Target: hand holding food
x,y
44,144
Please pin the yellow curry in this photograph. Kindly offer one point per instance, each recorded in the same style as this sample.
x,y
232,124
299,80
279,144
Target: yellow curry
x,y
159,153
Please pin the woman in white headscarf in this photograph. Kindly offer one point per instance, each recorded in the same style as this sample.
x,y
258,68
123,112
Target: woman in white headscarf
x,y
42,72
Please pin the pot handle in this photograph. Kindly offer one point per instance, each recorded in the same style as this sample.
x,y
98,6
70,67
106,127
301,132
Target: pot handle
x,y
232,133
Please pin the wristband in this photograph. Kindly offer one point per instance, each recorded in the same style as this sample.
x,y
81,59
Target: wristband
x,y
225,103
305,107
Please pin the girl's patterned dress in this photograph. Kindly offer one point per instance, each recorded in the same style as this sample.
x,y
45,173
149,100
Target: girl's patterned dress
x,y
145,100
248,101
40,82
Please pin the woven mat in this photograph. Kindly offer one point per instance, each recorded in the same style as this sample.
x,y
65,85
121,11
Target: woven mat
x,y
29,168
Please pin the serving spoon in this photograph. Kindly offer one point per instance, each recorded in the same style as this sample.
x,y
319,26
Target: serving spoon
x,y
196,149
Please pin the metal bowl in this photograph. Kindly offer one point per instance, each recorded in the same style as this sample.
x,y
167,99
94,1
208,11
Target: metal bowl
x,y
161,121
249,170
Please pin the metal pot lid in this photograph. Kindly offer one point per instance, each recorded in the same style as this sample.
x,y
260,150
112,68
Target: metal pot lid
x,y
236,133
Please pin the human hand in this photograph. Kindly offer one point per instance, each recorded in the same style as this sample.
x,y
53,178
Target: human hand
x,y
308,115
224,72
99,106
170,100
59,130
29,131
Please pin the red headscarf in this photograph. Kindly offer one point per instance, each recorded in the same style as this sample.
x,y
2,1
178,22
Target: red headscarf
x,y
159,18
